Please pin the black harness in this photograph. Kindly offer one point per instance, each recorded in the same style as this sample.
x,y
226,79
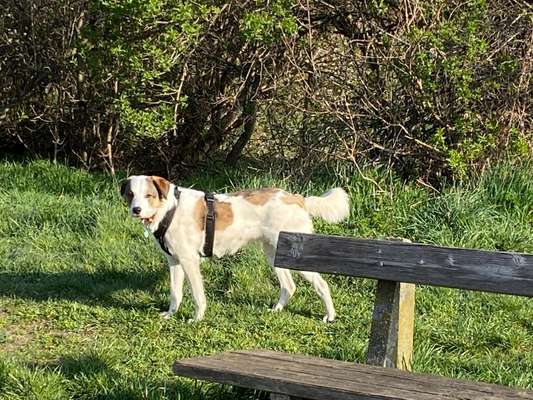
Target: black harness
x,y
209,225
165,223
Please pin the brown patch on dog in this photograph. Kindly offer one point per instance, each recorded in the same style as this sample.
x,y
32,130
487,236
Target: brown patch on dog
x,y
199,213
161,185
154,201
223,215
152,193
257,197
297,199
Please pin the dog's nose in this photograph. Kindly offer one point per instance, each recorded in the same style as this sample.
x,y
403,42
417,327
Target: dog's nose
x,y
136,210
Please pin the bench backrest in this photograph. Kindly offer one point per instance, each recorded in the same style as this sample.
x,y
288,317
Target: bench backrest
x,y
488,271
398,266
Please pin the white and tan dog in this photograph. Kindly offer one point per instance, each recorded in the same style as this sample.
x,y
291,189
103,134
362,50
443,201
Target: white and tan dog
x,y
240,218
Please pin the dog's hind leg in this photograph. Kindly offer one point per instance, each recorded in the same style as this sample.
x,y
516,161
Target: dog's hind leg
x,y
176,288
287,287
286,283
322,289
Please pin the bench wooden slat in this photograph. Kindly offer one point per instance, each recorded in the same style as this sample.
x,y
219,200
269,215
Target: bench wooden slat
x,y
500,272
319,378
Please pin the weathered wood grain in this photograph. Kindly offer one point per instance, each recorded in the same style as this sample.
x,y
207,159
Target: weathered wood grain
x,y
290,376
383,342
277,396
391,335
489,271
318,378
406,326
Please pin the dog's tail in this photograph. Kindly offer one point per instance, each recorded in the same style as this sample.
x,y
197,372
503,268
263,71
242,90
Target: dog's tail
x,y
333,206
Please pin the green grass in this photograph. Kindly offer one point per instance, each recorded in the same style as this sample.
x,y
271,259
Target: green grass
x,y
81,288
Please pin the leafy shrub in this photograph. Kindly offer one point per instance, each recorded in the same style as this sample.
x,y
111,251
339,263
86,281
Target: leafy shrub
x,y
440,89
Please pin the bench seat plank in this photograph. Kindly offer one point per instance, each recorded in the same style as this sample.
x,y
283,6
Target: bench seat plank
x,y
489,271
320,378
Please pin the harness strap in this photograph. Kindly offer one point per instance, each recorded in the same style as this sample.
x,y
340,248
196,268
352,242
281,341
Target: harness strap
x,y
209,225
210,218
165,223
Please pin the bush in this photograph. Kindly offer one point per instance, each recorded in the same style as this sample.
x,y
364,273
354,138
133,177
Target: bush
x,y
431,88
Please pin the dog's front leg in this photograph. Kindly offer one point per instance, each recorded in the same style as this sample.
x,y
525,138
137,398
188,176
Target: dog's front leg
x,y
176,289
191,266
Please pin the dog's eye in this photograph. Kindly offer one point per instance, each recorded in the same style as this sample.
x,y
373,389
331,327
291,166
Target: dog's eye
x,y
130,194
149,195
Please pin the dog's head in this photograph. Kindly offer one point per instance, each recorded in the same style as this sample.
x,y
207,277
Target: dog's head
x,y
145,195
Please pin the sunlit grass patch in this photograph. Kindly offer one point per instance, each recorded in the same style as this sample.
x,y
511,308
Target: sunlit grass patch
x,y
81,288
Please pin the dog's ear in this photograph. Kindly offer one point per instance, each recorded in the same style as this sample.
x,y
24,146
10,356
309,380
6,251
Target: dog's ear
x,y
162,186
125,188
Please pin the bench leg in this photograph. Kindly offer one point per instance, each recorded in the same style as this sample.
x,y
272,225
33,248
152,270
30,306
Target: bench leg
x,y
279,396
406,326
391,336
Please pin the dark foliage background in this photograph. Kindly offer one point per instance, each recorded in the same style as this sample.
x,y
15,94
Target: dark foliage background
x,y
429,88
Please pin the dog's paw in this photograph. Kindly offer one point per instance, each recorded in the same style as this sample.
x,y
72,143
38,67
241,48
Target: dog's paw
x,y
197,317
328,318
278,307
166,314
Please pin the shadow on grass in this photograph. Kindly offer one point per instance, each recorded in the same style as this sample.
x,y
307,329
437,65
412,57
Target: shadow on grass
x,y
96,288
225,287
97,376
120,289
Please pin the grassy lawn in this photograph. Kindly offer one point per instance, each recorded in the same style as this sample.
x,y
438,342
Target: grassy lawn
x,y
81,288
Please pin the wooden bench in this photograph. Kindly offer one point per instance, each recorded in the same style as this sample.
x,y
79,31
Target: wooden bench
x,y
397,266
